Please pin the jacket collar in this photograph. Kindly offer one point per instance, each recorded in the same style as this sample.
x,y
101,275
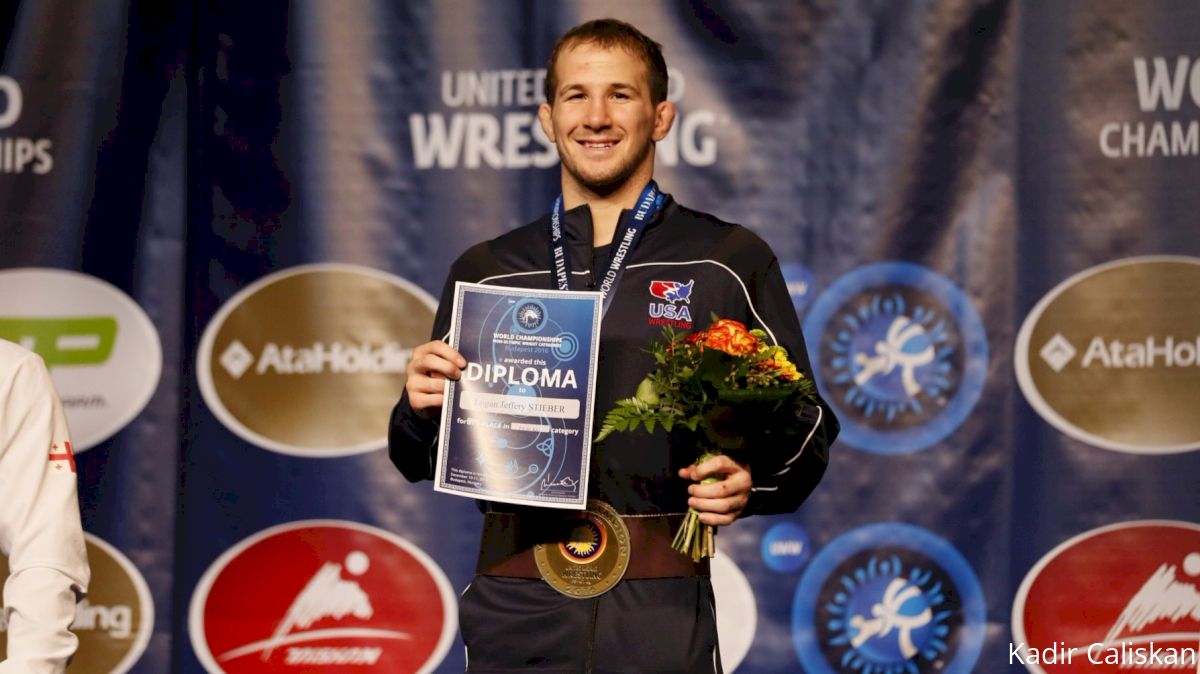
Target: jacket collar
x,y
577,224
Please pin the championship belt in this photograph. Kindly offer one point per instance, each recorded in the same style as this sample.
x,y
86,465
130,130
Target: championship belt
x,y
591,555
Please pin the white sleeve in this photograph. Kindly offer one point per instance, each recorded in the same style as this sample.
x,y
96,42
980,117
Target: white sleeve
x,y
39,519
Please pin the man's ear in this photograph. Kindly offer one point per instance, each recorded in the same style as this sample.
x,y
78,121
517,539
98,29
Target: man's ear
x,y
544,111
664,117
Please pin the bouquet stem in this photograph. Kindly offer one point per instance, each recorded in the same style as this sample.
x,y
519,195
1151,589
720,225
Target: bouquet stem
x,y
694,539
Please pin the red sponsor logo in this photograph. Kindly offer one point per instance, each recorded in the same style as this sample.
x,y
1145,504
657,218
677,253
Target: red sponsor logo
x,y
322,595
1120,598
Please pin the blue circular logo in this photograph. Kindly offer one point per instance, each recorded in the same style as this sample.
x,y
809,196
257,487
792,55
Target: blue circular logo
x,y
901,354
568,347
800,285
889,599
529,315
785,547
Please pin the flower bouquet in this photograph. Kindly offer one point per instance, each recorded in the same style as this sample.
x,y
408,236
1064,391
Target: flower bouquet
x,y
718,384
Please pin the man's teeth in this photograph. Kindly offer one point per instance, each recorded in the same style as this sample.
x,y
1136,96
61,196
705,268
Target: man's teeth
x,y
598,145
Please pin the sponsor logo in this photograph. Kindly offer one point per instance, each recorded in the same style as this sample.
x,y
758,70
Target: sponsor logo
x,y
889,599
737,619
114,621
786,547
306,361
1117,334
673,309
1120,598
902,354
1161,86
322,595
800,285
489,120
102,351
19,154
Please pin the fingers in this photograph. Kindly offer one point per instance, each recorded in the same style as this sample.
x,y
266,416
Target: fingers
x,y
719,512
721,501
431,364
436,357
718,466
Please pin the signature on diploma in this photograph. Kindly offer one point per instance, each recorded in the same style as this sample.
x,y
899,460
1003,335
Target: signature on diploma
x,y
567,482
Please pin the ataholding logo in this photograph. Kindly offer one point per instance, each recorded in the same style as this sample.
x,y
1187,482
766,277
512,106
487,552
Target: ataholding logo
x,y
115,620
1111,356
1114,599
323,595
308,360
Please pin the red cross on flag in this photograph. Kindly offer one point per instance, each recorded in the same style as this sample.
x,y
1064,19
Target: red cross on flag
x,y
64,455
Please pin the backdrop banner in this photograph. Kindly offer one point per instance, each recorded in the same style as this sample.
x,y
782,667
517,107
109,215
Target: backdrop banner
x,y
226,225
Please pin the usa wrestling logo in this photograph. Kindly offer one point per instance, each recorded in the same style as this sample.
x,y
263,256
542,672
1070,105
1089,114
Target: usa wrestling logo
x,y
903,355
673,308
888,599
322,595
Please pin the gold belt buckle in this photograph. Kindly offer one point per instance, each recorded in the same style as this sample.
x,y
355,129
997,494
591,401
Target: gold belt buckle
x,y
591,555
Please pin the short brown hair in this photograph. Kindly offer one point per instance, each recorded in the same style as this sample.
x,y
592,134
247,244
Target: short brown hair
x,y
609,33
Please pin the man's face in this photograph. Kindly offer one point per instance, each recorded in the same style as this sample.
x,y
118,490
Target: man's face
x,y
603,120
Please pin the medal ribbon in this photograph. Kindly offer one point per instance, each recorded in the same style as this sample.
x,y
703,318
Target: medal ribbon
x,y
629,232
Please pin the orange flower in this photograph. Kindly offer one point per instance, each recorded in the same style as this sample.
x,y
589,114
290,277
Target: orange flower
x,y
731,337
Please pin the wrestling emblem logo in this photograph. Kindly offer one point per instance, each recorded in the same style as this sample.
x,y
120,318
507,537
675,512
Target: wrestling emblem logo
x,y
1114,599
888,599
529,316
673,305
322,595
902,355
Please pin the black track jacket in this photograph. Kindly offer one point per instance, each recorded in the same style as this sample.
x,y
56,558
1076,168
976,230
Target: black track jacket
x,y
732,273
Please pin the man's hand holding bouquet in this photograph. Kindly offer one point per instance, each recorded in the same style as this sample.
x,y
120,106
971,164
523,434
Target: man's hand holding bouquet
x,y
725,386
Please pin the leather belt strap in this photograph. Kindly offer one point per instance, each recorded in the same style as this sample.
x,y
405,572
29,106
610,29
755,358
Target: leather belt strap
x,y
506,548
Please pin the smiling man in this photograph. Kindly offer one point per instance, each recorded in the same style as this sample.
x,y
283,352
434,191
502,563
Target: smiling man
x,y
605,110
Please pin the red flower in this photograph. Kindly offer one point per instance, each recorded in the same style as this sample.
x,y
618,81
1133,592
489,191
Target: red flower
x,y
731,337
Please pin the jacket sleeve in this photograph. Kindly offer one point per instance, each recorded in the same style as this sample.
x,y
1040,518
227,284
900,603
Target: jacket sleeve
x,y
412,439
39,522
788,465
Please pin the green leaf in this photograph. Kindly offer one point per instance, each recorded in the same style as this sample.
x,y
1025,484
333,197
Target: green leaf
x,y
714,366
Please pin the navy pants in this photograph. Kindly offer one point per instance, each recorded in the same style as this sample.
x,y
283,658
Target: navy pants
x,y
665,625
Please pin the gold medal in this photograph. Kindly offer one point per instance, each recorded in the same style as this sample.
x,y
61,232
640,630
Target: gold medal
x,y
591,555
